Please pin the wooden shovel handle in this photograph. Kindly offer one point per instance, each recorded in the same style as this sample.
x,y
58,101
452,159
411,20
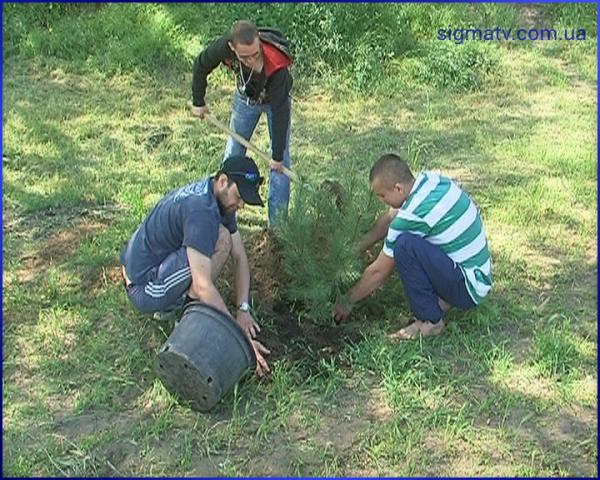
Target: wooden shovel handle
x,y
221,126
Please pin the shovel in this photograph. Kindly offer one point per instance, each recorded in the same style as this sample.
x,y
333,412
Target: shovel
x,y
330,185
238,138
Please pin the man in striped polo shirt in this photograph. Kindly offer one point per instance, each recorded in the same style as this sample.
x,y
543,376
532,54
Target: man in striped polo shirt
x,y
435,239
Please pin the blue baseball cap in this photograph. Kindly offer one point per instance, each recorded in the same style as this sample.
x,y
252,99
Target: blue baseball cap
x,y
244,172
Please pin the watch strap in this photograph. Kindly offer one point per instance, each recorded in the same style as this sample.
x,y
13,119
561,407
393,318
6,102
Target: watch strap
x,y
244,307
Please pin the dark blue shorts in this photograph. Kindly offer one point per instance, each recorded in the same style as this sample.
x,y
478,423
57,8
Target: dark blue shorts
x,y
165,286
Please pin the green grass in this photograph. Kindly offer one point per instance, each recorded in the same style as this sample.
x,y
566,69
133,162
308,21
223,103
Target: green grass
x,y
94,136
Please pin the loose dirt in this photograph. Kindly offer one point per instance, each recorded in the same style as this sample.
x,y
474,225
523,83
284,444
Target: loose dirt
x,y
285,332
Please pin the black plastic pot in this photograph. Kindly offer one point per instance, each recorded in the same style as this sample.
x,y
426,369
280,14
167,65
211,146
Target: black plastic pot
x,y
205,355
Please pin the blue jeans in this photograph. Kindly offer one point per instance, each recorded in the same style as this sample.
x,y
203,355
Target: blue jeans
x,y
244,118
428,273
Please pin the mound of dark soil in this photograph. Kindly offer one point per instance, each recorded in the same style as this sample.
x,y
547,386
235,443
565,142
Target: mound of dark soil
x,y
284,330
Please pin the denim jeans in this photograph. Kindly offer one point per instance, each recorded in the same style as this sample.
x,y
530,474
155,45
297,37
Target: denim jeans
x,y
244,118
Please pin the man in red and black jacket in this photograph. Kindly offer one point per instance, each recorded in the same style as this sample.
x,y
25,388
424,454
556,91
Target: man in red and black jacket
x,y
260,60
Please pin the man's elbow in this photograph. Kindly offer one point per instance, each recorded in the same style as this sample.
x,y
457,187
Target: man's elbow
x,y
201,288
239,259
238,253
381,272
379,277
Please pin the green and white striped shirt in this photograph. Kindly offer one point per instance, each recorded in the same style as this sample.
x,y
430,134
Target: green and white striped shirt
x,y
440,212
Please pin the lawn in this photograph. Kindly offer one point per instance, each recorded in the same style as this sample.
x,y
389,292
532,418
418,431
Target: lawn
x,y
92,139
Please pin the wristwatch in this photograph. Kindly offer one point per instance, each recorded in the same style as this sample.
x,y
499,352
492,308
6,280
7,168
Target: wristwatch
x,y
244,307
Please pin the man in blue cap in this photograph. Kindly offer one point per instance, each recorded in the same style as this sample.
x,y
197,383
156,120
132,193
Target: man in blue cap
x,y
179,250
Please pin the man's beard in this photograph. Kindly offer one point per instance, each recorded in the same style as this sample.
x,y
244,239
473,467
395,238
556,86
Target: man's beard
x,y
223,210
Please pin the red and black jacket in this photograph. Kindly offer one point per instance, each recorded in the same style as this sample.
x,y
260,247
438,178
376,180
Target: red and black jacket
x,y
272,85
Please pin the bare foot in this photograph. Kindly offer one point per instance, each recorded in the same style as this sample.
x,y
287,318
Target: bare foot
x,y
407,333
429,329
412,331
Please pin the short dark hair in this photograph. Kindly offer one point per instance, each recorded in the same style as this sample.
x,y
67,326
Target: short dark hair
x,y
243,32
392,169
230,180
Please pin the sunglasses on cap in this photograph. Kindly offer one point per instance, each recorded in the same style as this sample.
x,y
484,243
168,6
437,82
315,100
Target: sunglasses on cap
x,y
253,178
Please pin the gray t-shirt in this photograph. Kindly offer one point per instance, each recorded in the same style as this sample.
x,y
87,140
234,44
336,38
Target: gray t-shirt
x,y
186,217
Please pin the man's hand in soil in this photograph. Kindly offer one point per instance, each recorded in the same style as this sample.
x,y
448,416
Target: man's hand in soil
x,y
262,367
342,309
249,326
200,111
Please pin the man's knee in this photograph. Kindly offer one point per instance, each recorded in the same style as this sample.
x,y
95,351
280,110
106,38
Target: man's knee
x,y
406,244
221,253
234,149
405,252
224,242
144,303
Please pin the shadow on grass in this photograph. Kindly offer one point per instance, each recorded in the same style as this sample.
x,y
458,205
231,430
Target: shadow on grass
x,y
108,363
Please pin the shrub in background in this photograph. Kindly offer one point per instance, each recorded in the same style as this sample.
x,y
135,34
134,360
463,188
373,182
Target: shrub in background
x,y
573,15
19,19
107,40
459,67
353,47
